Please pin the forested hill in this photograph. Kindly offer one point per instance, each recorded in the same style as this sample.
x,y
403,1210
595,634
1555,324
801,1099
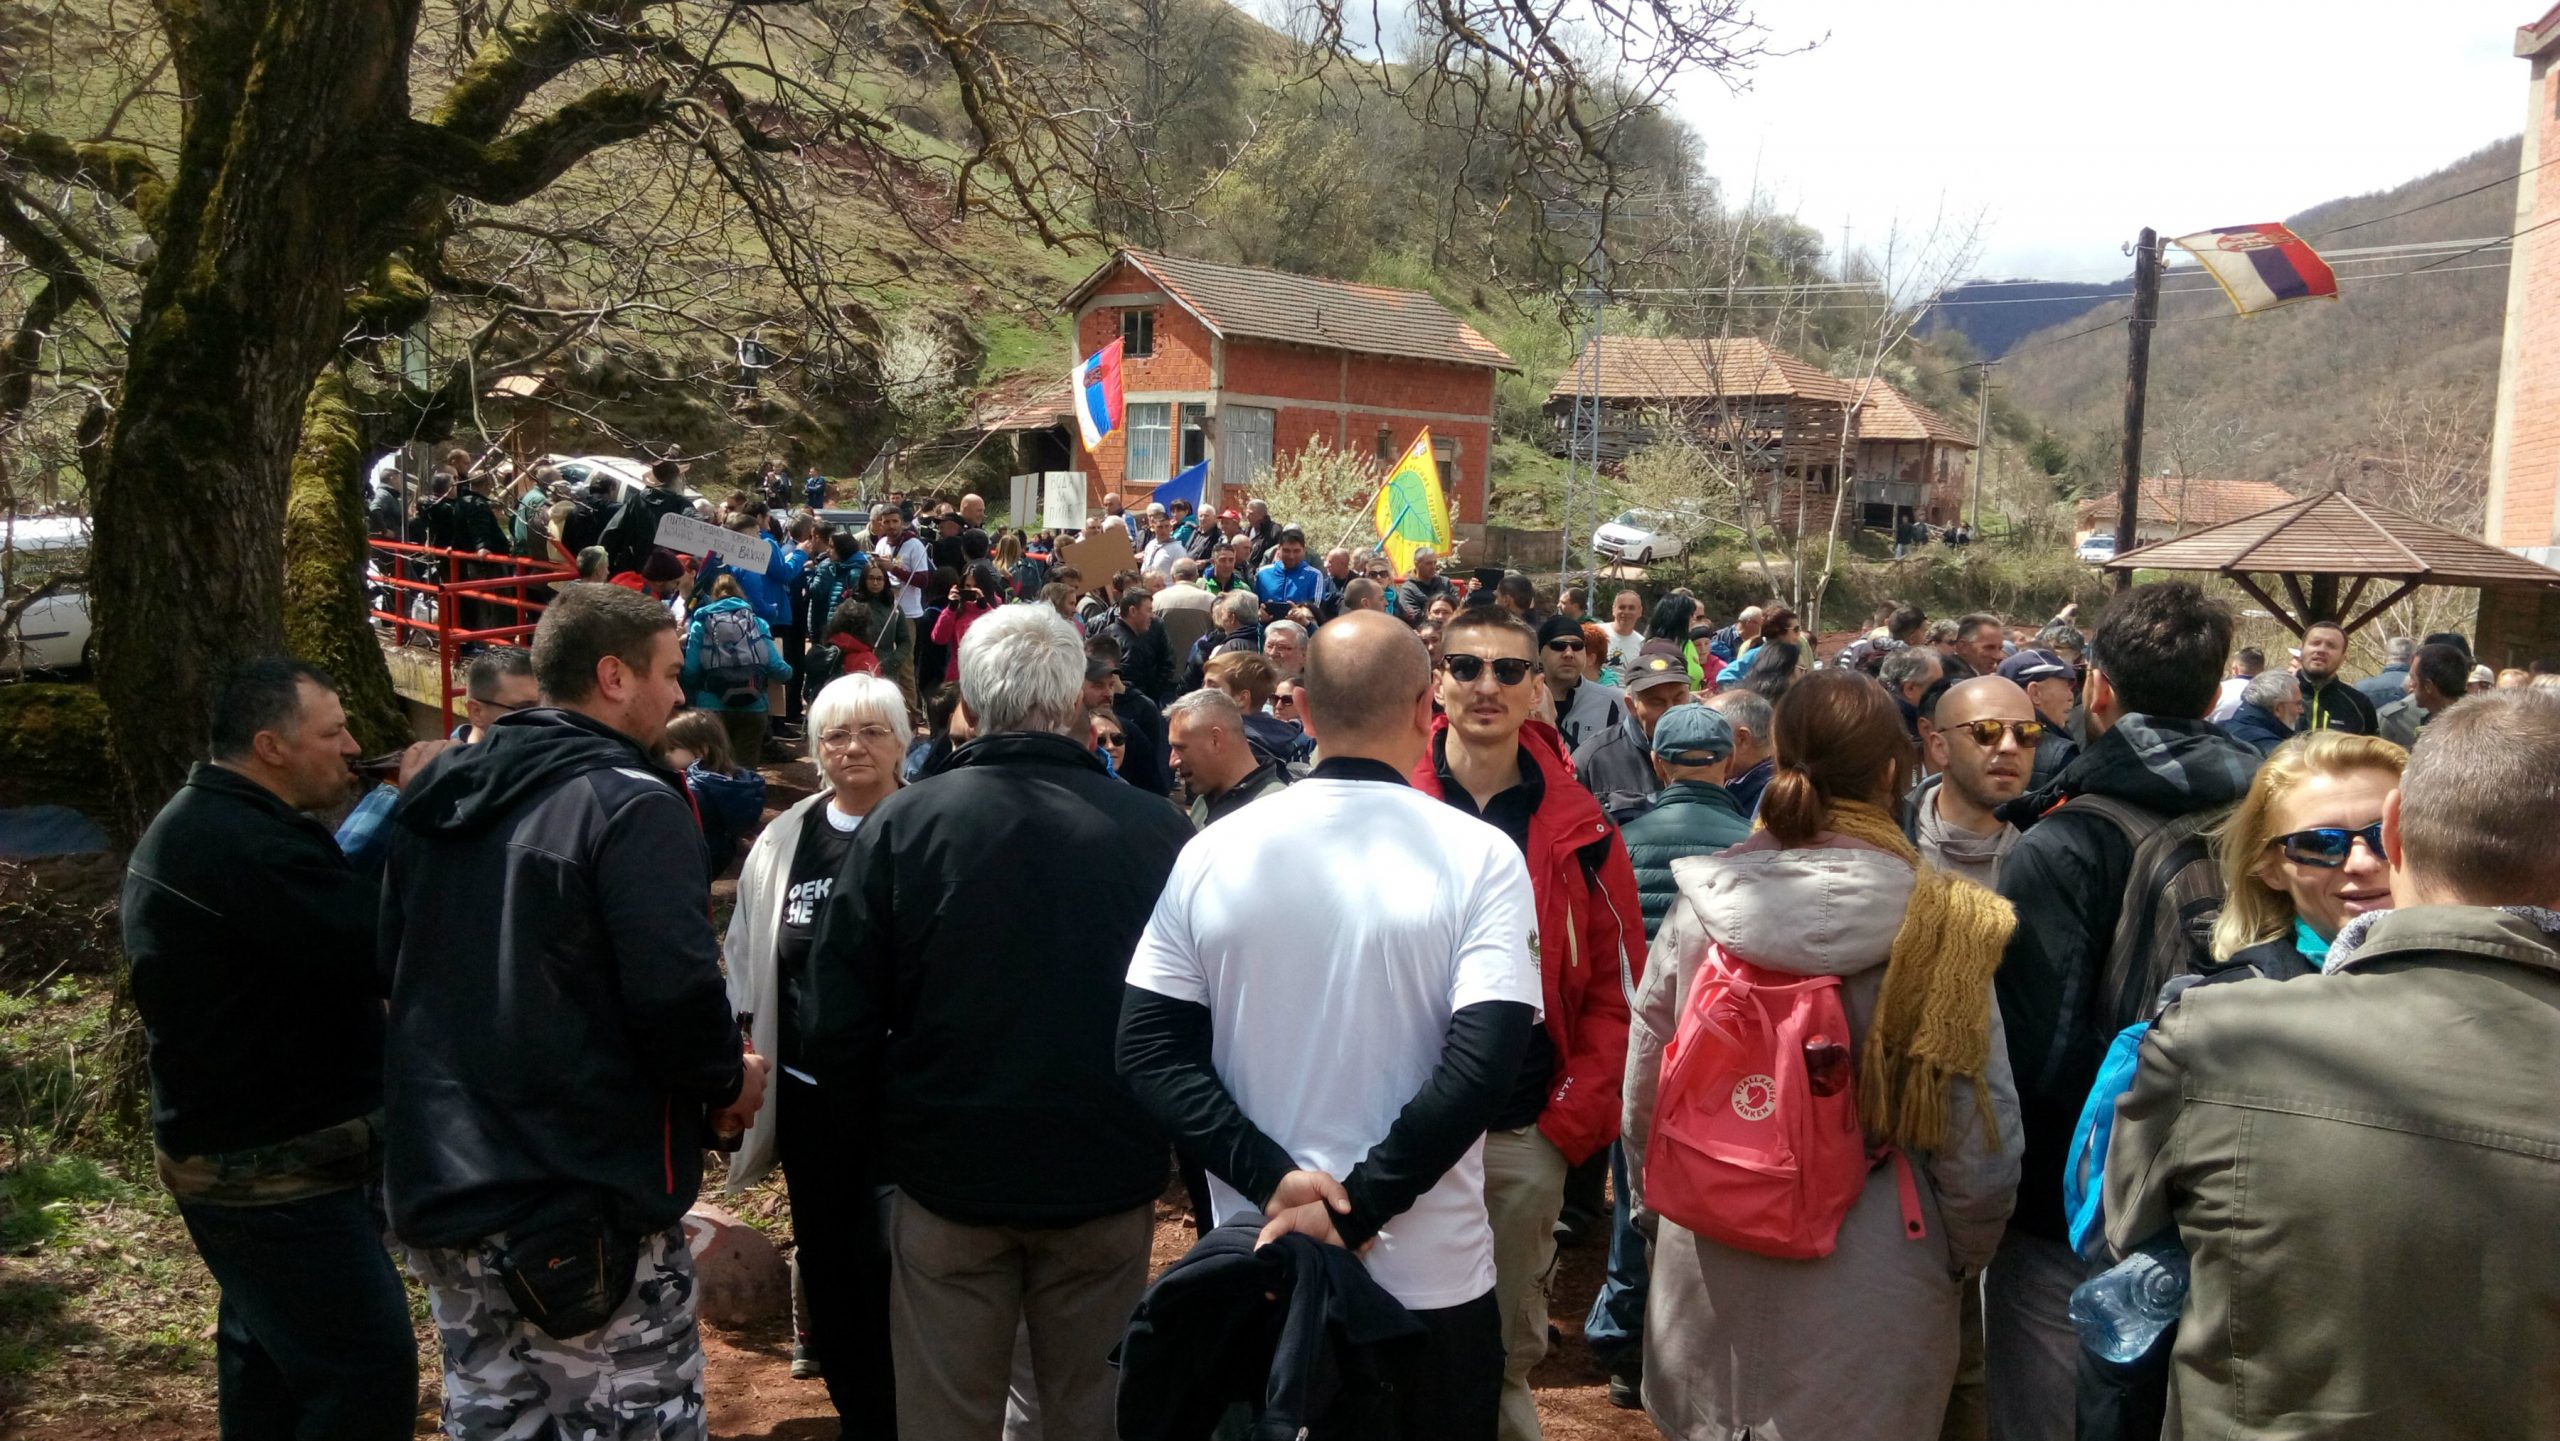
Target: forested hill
x,y
2388,389
2023,307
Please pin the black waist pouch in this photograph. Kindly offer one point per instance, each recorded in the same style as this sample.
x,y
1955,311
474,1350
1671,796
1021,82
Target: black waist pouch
x,y
568,1273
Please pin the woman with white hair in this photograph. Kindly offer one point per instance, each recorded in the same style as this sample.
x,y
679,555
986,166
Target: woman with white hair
x,y
858,732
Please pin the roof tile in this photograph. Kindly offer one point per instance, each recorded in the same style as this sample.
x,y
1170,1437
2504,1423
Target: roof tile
x,y
2186,502
1240,300
1639,367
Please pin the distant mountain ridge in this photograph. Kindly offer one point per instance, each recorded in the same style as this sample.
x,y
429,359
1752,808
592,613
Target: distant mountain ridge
x,y
2394,379
1994,315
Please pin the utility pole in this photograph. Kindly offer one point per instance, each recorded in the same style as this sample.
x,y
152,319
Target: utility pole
x,y
2137,378
1981,438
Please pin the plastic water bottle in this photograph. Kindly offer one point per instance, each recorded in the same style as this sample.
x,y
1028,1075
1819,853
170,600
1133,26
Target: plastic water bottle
x,y
2121,1312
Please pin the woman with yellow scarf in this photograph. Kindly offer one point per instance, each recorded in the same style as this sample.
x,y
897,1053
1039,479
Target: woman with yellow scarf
x,y
1861,1342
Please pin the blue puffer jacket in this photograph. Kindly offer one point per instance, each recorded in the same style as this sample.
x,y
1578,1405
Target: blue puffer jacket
x,y
1689,818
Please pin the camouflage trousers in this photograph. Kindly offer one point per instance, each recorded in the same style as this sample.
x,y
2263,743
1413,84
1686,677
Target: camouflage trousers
x,y
636,1378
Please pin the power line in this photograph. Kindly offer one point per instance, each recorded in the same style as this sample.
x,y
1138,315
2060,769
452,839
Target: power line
x,y
2432,204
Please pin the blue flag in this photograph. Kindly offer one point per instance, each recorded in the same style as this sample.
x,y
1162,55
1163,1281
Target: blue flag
x,y
1184,487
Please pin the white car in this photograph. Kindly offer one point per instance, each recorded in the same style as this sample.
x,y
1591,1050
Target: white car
x,y
2098,549
576,471
53,633
1641,536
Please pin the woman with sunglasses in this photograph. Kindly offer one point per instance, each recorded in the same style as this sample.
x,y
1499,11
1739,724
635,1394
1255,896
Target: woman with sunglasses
x,y
1110,741
858,736
2302,855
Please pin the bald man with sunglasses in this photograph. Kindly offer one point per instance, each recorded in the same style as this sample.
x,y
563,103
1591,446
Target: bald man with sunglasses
x,y
1982,750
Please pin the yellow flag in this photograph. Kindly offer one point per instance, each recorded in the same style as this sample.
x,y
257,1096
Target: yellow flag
x,y
1413,512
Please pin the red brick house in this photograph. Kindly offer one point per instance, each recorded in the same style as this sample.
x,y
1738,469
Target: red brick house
x,y
2524,448
1237,366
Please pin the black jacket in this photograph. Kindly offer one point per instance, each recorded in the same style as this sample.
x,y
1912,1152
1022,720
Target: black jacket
x,y
966,980
1147,763
1146,659
1293,1329
633,532
2066,877
251,942
2335,705
558,1020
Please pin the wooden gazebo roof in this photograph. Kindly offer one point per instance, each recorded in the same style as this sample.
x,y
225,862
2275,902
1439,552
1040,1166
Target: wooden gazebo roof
x,y
2310,545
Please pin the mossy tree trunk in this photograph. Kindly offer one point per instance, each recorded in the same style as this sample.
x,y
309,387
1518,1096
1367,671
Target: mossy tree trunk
x,y
299,177
326,615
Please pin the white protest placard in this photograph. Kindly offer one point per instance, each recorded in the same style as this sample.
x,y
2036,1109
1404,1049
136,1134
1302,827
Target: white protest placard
x,y
1062,500
1026,494
701,537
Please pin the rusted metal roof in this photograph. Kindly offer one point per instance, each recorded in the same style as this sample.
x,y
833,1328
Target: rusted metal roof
x,y
2187,502
1247,302
1891,415
1637,367
2333,533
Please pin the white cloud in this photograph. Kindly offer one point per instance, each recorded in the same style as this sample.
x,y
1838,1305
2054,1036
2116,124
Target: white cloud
x,y
2068,126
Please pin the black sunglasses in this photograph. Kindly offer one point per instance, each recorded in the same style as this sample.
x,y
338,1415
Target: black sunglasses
x,y
1510,670
2328,847
1563,644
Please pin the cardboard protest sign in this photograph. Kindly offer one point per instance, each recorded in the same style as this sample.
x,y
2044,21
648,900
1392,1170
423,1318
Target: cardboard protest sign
x,y
1103,553
701,537
1062,500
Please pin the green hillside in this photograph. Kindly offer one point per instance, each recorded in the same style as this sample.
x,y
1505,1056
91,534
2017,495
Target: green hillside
x,y
2388,390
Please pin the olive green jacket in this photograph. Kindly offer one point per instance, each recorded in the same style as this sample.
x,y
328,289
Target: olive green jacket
x,y
2364,1167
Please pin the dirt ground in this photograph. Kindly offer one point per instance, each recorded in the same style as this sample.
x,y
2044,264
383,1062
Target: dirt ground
x,y
753,1398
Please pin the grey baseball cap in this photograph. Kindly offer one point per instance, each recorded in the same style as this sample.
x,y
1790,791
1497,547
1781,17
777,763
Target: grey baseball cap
x,y
1692,735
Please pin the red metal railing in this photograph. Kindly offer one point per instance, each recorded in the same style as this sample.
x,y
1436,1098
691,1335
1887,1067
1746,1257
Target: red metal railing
x,y
485,581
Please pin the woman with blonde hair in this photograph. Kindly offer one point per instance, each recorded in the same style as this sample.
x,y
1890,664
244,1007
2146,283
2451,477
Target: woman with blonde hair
x,y
858,736
2302,853
1860,1342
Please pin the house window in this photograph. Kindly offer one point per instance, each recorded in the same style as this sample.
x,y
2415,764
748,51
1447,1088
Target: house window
x,y
1195,438
1444,453
1137,333
1150,442
1244,445
1386,444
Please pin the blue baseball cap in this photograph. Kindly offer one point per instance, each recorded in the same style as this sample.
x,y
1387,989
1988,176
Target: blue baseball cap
x,y
1692,735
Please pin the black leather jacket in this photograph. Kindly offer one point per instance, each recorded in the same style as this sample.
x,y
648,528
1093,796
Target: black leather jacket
x,y
558,1022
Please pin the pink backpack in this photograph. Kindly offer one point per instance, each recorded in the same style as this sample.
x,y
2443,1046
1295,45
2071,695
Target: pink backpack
x,y
1756,1143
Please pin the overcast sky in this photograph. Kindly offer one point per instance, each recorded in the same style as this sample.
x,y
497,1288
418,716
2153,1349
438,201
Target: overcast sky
x,y
2069,126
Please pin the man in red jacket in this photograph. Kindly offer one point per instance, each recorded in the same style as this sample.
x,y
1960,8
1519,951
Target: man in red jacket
x,y
1490,760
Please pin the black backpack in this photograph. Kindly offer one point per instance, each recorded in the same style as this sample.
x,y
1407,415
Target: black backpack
x,y
2172,897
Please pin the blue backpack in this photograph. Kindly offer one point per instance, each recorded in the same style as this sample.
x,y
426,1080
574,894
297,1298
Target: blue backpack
x,y
2084,1173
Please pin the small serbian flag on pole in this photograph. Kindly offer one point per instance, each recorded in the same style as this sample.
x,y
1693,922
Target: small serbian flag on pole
x,y
2261,266
1097,392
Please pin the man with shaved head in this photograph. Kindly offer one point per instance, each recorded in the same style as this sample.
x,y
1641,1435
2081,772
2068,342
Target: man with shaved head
x,y
1436,1001
1982,748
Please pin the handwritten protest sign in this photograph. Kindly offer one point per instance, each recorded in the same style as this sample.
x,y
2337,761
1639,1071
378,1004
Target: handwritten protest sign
x,y
701,537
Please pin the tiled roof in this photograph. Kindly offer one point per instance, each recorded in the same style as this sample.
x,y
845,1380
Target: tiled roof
x,y
1240,300
2186,502
1639,367
2335,534
1891,415
1026,400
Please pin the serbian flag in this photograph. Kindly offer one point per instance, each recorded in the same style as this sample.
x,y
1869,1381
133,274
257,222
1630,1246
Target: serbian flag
x,y
1413,512
1097,392
2261,266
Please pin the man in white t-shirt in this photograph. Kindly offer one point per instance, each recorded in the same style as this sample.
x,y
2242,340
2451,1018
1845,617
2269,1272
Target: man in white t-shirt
x,y
1332,1053
1626,633
904,554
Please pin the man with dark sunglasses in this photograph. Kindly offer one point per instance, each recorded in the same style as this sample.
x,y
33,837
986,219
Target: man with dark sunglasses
x,y
1981,750
1491,760
1584,707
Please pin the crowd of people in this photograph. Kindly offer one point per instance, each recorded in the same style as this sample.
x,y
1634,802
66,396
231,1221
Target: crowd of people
x,y
1982,1030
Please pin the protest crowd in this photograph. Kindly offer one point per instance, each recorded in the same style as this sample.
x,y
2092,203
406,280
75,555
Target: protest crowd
x,y
1984,1030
